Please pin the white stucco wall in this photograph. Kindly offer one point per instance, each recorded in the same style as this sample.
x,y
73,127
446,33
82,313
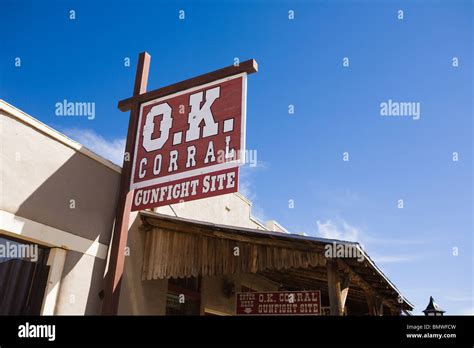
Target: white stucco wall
x,y
230,209
56,193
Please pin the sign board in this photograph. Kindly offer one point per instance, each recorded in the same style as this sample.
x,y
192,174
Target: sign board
x,y
189,144
184,142
278,303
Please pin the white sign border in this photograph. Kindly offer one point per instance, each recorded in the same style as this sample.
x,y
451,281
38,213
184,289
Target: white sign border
x,y
199,171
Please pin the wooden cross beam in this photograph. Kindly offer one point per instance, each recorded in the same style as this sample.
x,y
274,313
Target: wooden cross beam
x,y
249,66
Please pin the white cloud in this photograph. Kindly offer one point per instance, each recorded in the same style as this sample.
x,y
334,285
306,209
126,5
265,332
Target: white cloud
x,y
246,186
341,231
112,150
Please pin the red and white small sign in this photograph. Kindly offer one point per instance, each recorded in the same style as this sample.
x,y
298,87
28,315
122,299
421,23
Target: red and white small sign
x,y
189,144
278,303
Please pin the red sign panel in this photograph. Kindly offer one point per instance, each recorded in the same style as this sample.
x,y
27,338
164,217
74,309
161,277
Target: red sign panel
x,y
278,303
189,144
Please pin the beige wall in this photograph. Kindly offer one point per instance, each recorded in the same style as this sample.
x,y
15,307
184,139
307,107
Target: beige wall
x,y
41,172
231,209
145,297
149,297
137,296
40,176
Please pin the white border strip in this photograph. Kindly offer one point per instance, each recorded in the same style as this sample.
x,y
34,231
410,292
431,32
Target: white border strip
x,y
50,236
198,171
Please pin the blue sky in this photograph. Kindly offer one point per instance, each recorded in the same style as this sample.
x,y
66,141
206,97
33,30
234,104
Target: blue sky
x,y
337,110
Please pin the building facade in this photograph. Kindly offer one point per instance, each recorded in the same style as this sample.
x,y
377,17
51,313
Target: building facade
x,y
188,258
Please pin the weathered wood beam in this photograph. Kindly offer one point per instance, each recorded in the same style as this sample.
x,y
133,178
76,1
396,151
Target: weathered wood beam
x,y
334,288
366,286
113,278
249,66
306,279
233,235
345,281
379,305
371,302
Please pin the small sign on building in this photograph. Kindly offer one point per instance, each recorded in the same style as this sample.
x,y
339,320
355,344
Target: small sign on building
x,y
278,303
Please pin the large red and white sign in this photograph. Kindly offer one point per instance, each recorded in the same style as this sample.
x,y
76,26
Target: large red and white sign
x,y
278,303
189,144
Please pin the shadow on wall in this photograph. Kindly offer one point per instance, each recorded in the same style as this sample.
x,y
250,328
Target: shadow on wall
x,y
80,198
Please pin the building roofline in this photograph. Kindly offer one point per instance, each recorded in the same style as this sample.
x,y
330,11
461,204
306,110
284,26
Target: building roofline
x,y
372,263
55,135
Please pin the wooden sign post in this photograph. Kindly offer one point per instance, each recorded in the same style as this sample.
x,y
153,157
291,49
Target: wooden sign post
x,y
113,277
218,100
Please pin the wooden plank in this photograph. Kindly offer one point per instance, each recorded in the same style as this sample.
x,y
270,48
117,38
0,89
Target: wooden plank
x,y
150,263
141,78
254,258
113,278
155,253
370,289
197,256
146,255
345,281
233,234
334,289
370,302
204,271
249,66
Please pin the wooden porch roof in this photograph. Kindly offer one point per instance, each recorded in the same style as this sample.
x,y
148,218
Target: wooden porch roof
x,y
177,247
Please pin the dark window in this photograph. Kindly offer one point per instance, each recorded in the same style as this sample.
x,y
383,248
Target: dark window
x,y
23,276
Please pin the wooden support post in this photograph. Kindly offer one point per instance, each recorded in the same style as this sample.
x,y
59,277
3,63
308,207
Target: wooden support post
x,y
370,302
379,305
374,303
113,277
345,281
334,288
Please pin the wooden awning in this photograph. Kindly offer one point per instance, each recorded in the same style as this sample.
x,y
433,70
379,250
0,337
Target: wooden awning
x,y
176,251
178,247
